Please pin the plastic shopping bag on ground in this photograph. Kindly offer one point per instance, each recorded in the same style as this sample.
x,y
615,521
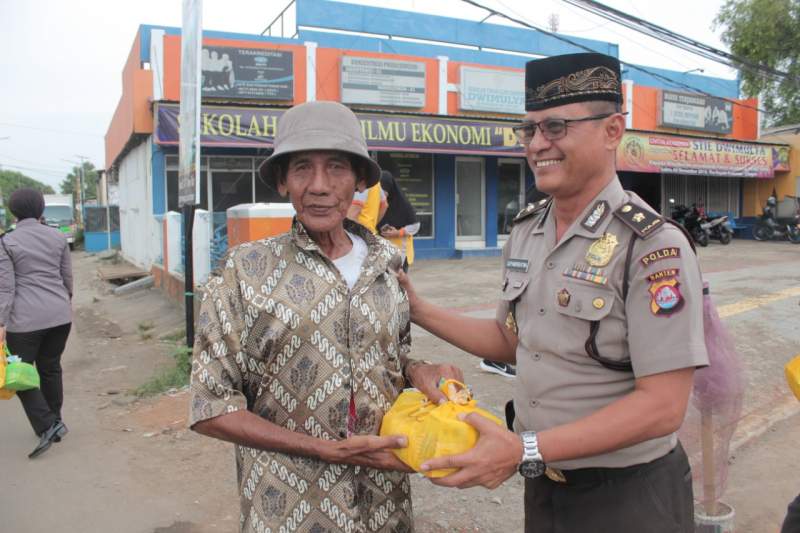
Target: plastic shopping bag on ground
x,y
5,394
433,430
19,375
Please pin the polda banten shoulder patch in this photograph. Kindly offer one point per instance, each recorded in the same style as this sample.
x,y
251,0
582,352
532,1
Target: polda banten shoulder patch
x,y
658,255
642,221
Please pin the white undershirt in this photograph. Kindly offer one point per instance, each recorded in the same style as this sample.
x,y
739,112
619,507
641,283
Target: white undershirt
x,y
349,265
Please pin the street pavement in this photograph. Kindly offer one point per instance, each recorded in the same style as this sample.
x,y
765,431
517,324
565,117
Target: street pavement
x,y
133,467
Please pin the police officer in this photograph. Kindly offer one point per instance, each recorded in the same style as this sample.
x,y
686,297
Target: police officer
x,y
601,310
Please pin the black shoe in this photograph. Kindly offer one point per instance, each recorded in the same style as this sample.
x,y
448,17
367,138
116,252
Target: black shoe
x,y
57,430
501,369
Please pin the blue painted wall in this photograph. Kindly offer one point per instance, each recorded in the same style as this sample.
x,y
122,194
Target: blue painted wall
x,y
716,86
97,241
158,165
376,20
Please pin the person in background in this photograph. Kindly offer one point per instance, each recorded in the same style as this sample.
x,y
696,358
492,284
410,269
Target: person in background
x,y
399,223
368,207
35,310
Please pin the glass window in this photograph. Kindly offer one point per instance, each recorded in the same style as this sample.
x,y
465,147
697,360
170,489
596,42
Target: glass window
x,y
172,190
232,163
231,188
414,174
509,178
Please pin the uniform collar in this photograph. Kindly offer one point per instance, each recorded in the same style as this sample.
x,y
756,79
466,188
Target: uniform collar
x,y
593,220
27,222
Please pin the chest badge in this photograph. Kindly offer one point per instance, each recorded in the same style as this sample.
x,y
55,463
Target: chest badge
x,y
564,297
601,250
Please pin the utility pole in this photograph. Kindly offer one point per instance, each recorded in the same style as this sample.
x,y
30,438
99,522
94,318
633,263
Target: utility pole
x,y
82,179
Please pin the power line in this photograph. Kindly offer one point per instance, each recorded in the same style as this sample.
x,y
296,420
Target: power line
x,y
685,43
569,41
61,173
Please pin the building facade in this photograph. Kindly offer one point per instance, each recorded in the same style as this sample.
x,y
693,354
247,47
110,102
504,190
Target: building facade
x,y
437,115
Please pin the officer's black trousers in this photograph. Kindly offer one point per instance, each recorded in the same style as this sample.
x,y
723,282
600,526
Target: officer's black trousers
x,y
654,497
43,348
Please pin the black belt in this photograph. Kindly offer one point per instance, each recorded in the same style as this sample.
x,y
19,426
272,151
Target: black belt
x,y
588,476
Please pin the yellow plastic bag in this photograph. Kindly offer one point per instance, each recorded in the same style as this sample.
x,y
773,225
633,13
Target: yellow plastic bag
x,y
4,393
792,370
433,430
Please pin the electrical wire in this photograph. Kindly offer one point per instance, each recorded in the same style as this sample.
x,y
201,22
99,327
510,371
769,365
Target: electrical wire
x,y
569,41
685,43
65,132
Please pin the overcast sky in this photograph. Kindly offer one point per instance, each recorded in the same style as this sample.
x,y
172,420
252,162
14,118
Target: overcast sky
x,y
62,60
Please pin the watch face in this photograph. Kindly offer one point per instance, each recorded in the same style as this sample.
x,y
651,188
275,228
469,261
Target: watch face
x,y
531,469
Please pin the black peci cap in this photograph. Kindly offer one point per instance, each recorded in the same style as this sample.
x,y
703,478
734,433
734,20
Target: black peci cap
x,y
566,79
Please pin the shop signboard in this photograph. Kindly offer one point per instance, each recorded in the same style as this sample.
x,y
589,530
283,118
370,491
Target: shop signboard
x,y
696,112
496,91
658,153
247,73
256,127
383,82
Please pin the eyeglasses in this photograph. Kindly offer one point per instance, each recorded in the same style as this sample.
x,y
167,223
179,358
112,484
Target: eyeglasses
x,y
552,128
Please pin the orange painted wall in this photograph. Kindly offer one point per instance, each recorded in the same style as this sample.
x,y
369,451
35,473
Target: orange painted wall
x,y
645,116
329,75
172,64
133,113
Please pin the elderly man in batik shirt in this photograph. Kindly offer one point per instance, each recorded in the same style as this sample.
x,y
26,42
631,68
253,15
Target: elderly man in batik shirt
x,y
302,347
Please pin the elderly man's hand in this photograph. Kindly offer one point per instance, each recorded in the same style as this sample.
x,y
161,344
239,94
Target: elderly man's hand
x,y
368,450
494,459
426,377
2,334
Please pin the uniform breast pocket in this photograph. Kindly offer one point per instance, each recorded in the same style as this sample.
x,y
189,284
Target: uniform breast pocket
x,y
580,306
514,287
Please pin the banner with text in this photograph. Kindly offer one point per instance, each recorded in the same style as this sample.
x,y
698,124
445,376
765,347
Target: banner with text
x,y
256,127
650,152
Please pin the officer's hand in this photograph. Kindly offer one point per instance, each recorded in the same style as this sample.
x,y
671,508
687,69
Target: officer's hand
x,y
426,378
2,334
493,460
405,283
367,450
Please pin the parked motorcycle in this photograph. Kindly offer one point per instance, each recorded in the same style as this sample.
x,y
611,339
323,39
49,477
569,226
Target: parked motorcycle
x,y
718,227
689,218
768,226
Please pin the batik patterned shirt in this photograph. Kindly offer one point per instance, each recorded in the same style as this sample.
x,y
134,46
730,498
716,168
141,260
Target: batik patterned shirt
x,y
280,334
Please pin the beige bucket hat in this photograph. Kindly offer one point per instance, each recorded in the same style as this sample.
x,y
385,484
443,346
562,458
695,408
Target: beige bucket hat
x,y
318,126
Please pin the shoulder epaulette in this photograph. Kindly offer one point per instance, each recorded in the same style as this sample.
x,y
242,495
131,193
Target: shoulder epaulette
x,y
532,209
642,221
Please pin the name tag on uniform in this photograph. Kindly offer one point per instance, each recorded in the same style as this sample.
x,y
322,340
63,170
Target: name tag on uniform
x,y
517,265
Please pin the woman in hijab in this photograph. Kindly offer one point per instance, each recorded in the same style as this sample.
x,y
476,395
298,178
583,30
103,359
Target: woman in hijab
x,y
35,309
399,224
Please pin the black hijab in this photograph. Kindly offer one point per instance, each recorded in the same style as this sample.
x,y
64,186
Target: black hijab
x,y
400,212
26,203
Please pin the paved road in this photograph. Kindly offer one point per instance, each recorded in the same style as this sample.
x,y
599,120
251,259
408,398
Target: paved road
x,y
132,468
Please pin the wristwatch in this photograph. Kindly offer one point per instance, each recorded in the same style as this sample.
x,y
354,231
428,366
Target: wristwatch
x,y
532,464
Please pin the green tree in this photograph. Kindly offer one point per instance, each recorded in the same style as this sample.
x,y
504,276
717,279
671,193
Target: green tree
x,y
70,183
767,32
11,180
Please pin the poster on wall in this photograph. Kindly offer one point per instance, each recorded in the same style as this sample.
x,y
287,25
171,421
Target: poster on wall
x,y
247,73
414,175
696,112
497,91
383,82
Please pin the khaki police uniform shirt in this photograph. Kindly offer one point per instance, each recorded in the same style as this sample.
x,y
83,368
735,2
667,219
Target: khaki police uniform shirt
x,y
558,293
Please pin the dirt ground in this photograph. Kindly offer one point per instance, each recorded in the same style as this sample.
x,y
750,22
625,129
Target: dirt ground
x,y
131,465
